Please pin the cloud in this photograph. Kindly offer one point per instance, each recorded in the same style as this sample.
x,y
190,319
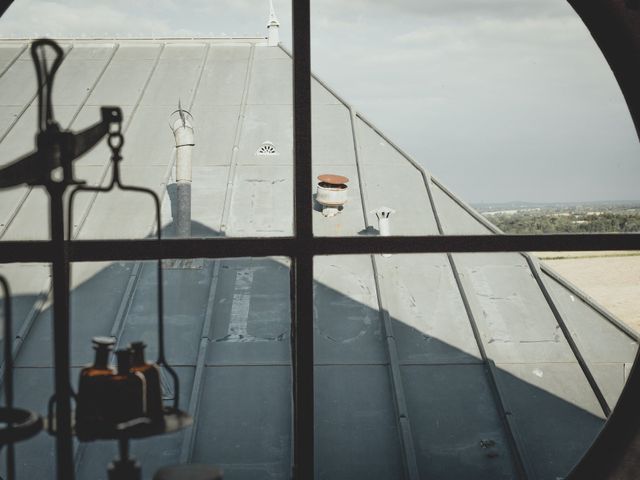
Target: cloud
x,y
139,17
448,8
513,34
37,17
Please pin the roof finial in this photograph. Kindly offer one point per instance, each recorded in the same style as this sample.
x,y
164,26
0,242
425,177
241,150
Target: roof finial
x,y
273,27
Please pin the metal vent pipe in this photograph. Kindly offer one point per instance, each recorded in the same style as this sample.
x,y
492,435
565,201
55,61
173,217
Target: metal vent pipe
x,y
384,226
182,126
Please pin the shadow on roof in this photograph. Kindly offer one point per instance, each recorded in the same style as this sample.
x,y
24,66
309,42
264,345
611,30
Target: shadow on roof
x,y
239,366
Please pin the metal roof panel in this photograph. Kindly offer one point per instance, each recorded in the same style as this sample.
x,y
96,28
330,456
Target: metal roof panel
x,y
395,350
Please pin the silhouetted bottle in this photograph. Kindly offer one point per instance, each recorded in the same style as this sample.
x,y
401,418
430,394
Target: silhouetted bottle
x,y
127,391
152,377
92,405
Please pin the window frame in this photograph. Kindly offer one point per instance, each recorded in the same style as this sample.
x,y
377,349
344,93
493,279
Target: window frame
x,y
615,27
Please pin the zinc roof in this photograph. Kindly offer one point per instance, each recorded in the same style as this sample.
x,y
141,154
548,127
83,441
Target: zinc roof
x,y
427,365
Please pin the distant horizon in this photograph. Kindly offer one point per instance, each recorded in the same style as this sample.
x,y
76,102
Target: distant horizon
x,y
551,202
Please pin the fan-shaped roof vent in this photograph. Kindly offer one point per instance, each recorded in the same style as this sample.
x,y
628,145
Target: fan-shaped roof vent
x,y
267,148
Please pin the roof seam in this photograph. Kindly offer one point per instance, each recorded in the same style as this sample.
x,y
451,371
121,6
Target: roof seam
x,y
29,102
95,83
591,380
107,165
364,198
402,411
189,437
13,60
520,458
320,81
565,283
126,301
632,334
233,161
34,313
23,199
399,398
569,338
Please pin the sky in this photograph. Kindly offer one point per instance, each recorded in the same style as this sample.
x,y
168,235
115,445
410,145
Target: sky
x,y
502,100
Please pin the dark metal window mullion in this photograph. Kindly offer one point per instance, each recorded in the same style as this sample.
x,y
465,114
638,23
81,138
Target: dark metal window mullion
x,y
39,251
302,267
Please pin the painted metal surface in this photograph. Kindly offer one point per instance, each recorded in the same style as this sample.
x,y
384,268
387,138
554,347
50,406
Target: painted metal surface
x,y
399,373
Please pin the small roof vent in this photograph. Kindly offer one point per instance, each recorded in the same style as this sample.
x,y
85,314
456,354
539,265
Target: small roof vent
x,y
331,193
267,148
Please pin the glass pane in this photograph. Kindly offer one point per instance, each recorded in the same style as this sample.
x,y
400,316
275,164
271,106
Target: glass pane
x,y
513,109
227,336
457,366
224,167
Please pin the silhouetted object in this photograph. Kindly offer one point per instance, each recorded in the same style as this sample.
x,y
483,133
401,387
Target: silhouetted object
x,y
51,166
93,387
151,375
126,391
115,141
125,467
19,424
188,472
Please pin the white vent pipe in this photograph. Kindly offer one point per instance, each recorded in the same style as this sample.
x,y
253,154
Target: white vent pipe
x,y
384,225
182,127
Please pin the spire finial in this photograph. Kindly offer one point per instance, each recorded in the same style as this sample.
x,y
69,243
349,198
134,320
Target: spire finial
x,y
273,27
273,19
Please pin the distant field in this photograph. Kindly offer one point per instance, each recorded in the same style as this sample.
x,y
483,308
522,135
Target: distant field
x,y
564,218
612,279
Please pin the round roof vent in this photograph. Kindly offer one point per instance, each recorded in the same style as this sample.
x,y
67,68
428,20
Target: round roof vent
x,y
331,193
267,148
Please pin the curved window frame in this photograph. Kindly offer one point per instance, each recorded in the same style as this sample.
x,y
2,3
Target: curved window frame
x,y
615,25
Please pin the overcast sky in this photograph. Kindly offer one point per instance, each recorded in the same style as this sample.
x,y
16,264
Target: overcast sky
x,y
501,99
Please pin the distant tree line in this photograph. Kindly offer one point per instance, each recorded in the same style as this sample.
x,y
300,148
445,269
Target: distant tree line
x,y
542,222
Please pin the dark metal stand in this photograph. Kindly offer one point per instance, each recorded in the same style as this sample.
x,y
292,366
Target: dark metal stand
x,y
124,467
61,333
51,166
20,424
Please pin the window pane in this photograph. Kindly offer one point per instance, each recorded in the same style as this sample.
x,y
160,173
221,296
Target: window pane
x,y
230,172
513,109
227,336
458,366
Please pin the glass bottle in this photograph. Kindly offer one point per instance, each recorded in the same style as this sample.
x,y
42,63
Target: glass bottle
x,y
92,405
127,391
151,374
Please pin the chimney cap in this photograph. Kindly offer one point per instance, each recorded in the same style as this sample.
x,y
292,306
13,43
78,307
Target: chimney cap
x,y
333,179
